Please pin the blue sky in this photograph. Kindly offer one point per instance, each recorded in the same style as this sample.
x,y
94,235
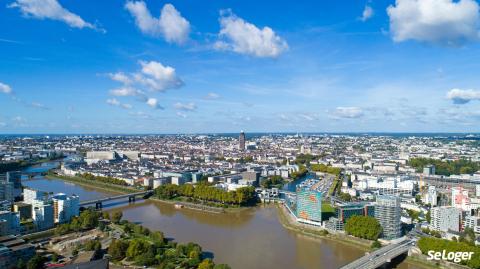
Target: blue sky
x,y
223,66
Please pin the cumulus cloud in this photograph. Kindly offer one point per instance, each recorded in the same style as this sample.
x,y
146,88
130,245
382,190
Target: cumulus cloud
x,y
50,9
115,102
170,25
185,107
153,102
120,77
125,91
347,112
461,97
158,77
444,22
367,13
245,38
4,88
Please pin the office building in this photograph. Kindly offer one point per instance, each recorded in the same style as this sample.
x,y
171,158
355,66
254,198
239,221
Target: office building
x,y
30,195
431,196
6,191
65,207
473,222
241,141
387,212
429,170
309,205
445,218
42,215
24,209
9,223
344,212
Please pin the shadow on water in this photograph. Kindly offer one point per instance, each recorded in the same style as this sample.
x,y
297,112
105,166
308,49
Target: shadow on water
x,y
395,263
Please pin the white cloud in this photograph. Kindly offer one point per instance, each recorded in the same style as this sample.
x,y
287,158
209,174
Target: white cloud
x,y
50,9
347,112
367,13
4,88
115,102
38,105
153,102
461,97
120,77
185,107
212,96
245,38
158,77
181,114
444,22
125,91
171,25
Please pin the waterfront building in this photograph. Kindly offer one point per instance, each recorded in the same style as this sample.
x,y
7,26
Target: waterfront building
x,y
334,224
241,141
445,218
31,195
387,212
14,177
9,222
309,205
24,209
42,215
7,191
344,212
65,207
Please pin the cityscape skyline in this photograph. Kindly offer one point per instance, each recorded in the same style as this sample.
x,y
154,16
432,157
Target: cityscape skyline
x,y
138,67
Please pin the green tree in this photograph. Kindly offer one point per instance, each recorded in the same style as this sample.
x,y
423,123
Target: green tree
x,y
117,249
364,227
116,217
206,264
37,262
136,247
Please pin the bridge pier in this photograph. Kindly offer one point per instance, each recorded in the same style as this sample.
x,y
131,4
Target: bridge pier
x,y
98,205
131,199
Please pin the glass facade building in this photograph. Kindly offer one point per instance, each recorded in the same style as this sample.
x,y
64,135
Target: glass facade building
x,y
387,212
309,204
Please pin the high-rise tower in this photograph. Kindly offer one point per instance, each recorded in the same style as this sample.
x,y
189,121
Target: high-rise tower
x,y
241,141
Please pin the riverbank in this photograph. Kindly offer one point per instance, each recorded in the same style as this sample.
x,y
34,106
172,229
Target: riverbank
x,y
112,188
290,223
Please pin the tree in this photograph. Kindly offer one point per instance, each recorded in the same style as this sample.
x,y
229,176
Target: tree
x,y
105,215
117,216
117,249
206,264
136,247
364,227
54,257
376,244
36,262
428,216
93,245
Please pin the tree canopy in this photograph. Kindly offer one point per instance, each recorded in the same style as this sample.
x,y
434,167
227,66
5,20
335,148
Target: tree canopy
x,y
364,227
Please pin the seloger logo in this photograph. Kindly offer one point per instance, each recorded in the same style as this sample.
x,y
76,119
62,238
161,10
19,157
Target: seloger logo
x,y
449,256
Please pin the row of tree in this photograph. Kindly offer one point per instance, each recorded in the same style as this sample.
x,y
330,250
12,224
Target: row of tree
x,y
146,248
364,227
204,192
446,168
427,244
110,180
326,169
273,181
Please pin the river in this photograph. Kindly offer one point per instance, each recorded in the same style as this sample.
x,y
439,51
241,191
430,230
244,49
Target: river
x,y
253,238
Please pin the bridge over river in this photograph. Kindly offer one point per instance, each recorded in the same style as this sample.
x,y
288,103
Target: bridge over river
x,y
381,256
131,198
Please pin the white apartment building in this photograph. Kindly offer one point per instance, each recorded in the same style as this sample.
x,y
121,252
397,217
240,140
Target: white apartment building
x,y
445,218
473,222
65,207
